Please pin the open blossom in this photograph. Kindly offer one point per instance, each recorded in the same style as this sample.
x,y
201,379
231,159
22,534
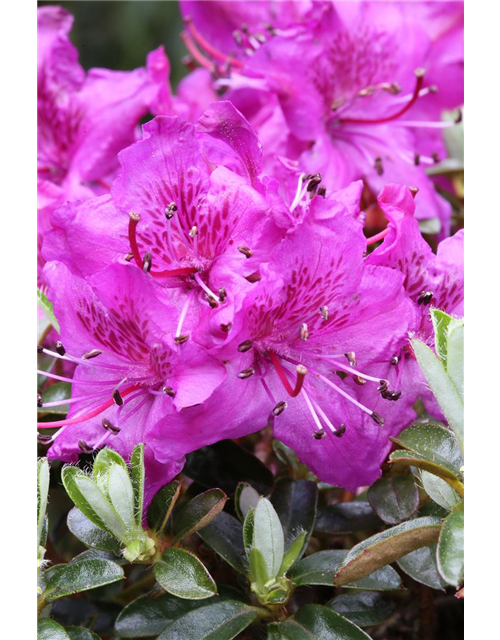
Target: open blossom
x,y
352,90
84,119
318,310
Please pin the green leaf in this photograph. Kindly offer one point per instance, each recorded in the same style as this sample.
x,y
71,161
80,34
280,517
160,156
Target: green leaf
x,y
450,552
198,513
138,477
248,530
225,464
386,547
258,569
441,322
121,494
268,537
80,633
442,386
440,491
55,393
66,579
219,621
295,502
346,517
102,464
225,536
434,443
315,622
46,306
43,479
320,569
245,498
162,504
293,553
411,459
91,501
48,629
394,499
421,565
363,609
182,574
90,534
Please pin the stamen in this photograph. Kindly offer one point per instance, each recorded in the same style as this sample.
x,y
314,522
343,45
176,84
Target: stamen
x,y
170,210
128,256
413,191
43,439
312,411
394,360
419,73
377,237
110,427
279,408
91,354
208,291
184,311
301,374
117,399
322,191
425,298
222,294
379,166
211,50
325,418
304,332
195,53
313,182
132,237
325,313
147,262
181,339
359,380
39,402
174,273
60,403
340,431
84,447
245,346
226,328
60,349
246,373
351,358
168,391
248,253
319,434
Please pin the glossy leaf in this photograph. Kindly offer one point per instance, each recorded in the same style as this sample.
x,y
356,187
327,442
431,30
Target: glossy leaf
x,y
198,513
346,517
411,459
225,536
268,537
440,491
182,574
162,505
386,547
80,633
421,565
48,629
450,552
219,621
315,622
90,534
138,477
43,479
364,609
66,579
225,464
295,502
434,443
55,393
394,499
245,498
320,569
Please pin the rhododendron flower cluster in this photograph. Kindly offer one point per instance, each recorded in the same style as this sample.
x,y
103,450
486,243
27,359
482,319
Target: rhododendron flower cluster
x,y
210,273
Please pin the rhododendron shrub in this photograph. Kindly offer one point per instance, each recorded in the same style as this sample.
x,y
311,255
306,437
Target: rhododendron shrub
x,y
247,347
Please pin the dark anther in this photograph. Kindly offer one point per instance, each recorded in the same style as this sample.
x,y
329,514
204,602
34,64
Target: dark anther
x,y
245,346
351,358
425,298
325,313
391,87
170,210
459,117
39,402
169,392
416,159
60,349
394,360
338,433
110,427
368,91
254,277
222,294
384,385
322,191
193,232
313,182
248,253
213,304
39,348
91,354
147,262
279,408
303,332
378,419
435,157
181,339
433,88
129,256
359,380
246,373
43,438
84,447
117,398
413,191
319,434
379,166
336,104
226,327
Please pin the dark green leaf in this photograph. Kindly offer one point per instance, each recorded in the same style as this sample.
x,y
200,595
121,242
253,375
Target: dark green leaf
x,y
182,574
394,499
245,498
450,552
315,622
295,503
363,609
386,547
320,569
433,442
219,621
50,630
90,534
421,565
80,633
346,517
66,579
198,513
225,536
137,471
55,393
224,465
162,504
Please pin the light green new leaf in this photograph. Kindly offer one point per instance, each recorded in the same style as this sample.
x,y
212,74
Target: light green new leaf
x,y
268,537
46,306
43,479
450,552
138,477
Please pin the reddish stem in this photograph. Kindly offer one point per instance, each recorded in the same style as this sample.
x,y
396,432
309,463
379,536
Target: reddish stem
x,y
284,379
197,55
132,238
